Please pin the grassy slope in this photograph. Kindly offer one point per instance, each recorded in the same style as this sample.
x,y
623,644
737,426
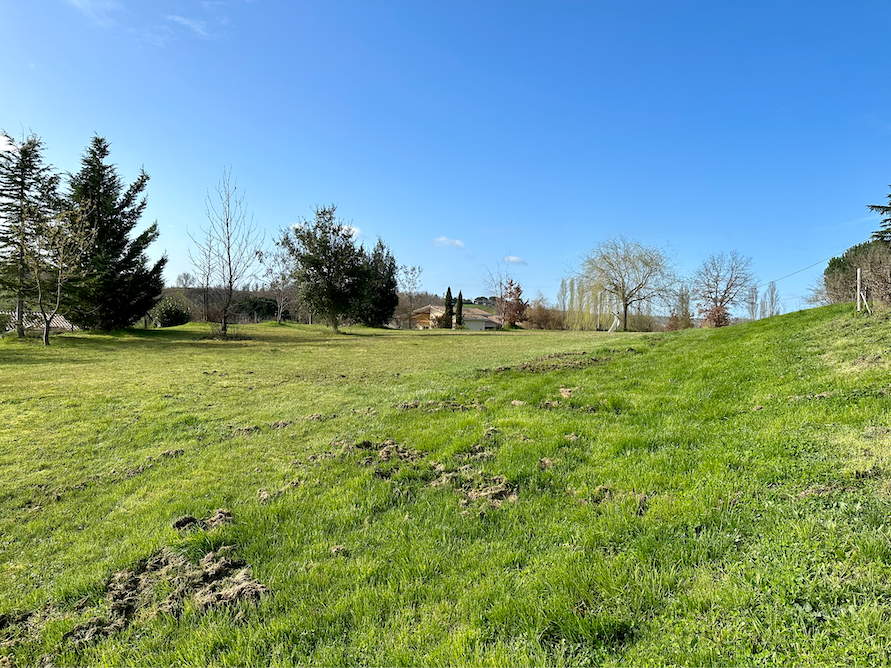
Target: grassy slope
x,y
722,498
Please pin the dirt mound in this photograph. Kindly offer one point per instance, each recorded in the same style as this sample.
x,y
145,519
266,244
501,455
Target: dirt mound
x,y
554,362
219,518
163,584
241,431
392,450
477,453
172,453
475,486
437,406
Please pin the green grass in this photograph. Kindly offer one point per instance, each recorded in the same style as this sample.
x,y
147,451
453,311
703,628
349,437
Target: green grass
x,y
709,497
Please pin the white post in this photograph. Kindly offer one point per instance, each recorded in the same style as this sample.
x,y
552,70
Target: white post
x,y
858,289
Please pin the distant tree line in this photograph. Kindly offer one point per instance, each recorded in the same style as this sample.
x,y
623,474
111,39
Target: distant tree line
x,y
314,269
67,243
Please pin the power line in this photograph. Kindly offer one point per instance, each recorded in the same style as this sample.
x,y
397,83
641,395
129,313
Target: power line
x,y
807,267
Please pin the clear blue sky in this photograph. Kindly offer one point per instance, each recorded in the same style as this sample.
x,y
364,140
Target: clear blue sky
x,y
463,132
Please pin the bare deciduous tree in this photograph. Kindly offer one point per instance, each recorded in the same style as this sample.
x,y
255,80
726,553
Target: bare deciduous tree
x,y
720,282
228,252
185,280
495,282
278,270
629,271
752,303
53,258
770,301
409,284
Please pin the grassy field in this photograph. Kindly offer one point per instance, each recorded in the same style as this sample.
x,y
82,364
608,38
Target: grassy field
x,y
709,497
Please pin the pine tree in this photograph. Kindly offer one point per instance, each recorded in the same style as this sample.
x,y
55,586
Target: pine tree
x,y
884,231
118,286
379,298
27,198
459,314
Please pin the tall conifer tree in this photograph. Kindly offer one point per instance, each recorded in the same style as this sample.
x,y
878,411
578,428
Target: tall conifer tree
x,y
379,297
449,314
119,285
27,197
459,313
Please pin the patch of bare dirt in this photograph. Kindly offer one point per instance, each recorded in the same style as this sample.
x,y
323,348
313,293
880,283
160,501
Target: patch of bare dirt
x,y
475,486
241,431
394,451
478,452
165,583
318,417
172,453
867,362
554,362
517,402
567,392
822,491
437,406
219,518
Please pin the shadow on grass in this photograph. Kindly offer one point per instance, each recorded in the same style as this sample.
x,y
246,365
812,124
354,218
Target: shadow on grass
x,y
88,347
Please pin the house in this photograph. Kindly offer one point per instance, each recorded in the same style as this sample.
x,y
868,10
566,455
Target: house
x,y
425,317
474,319
478,320
33,320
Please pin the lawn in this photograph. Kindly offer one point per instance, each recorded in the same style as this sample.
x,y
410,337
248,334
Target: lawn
x,y
708,497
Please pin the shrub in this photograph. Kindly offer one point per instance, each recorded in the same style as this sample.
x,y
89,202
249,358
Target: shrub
x,y
716,316
171,312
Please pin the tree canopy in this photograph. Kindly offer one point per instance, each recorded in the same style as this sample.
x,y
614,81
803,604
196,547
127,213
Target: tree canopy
x,y
336,277
884,210
28,198
379,298
629,271
118,285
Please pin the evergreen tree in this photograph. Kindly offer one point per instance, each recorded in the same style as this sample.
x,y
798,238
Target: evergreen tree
x,y
328,265
447,318
884,231
379,298
118,286
459,314
27,199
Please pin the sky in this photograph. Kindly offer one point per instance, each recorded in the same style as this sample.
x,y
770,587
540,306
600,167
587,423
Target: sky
x,y
474,136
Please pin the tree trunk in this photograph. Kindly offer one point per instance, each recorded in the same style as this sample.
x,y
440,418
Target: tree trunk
x,y
625,319
20,302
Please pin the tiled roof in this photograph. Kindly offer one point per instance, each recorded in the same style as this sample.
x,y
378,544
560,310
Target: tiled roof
x,y
34,321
